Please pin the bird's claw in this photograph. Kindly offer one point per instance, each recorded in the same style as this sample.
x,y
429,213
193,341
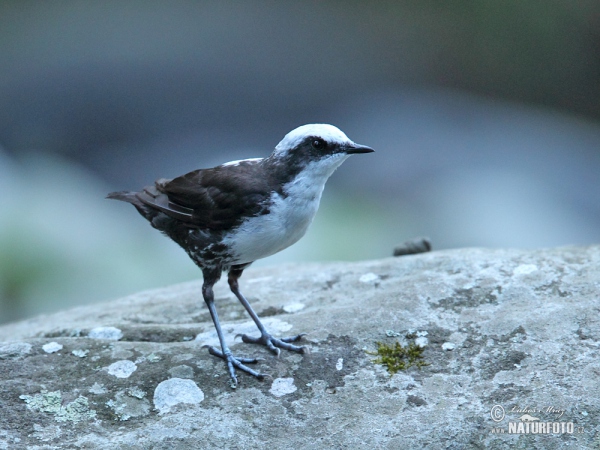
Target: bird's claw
x,y
234,362
274,344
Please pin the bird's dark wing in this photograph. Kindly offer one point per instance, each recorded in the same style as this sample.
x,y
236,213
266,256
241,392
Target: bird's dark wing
x,y
214,198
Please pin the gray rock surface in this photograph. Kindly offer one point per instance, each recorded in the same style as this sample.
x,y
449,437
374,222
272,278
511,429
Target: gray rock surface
x,y
509,334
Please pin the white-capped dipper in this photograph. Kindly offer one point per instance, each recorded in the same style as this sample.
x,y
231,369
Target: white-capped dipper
x,y
229,216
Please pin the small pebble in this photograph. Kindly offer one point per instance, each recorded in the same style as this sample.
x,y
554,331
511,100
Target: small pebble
x,y
414,246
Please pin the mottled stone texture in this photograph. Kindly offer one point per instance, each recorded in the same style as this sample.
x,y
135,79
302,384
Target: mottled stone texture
x,y
516,329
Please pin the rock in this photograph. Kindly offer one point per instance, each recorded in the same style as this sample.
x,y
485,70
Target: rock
x,y
513,338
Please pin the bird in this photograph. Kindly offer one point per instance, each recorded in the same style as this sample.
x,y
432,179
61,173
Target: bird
x,y
231,215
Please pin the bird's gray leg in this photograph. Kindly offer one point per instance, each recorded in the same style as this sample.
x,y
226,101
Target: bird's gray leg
x,y
265,338
210,278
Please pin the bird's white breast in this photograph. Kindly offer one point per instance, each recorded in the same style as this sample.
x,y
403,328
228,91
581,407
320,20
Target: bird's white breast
x,y
289,215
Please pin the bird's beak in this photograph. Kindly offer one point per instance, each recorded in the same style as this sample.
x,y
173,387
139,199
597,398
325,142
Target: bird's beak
x,y
357,148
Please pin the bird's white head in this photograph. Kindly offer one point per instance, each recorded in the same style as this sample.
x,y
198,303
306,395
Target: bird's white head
x,y
311,153
315,143
327,133
319,135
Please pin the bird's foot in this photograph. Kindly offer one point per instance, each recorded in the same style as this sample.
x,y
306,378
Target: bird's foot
x,y
274,344
234,362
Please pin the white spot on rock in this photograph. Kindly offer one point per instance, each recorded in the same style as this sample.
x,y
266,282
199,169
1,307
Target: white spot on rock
x,y
525,269
448,346
48,433
339,365
110,333
282,386
122,369
293,307
174,391
153,358
80,353
52,347
97,389
136,392
369,278
421,341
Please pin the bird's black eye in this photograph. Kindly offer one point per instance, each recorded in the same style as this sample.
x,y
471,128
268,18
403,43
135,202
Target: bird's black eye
x,y
318,144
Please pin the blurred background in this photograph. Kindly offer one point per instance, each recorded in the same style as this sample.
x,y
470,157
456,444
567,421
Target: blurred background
x,y
485,116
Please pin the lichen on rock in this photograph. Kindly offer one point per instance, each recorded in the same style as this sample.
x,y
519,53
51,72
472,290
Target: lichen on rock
x,y
51,402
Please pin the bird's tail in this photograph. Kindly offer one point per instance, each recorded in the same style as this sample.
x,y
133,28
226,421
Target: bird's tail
x,y
134,198
126,196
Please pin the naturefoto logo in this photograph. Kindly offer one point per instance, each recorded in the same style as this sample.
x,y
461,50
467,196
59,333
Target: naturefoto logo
x,y
528,422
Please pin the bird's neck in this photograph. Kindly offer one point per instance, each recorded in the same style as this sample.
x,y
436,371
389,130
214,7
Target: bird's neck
x,y
308,180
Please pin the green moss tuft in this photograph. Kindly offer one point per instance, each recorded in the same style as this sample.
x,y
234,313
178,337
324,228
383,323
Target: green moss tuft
x,y
397,357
